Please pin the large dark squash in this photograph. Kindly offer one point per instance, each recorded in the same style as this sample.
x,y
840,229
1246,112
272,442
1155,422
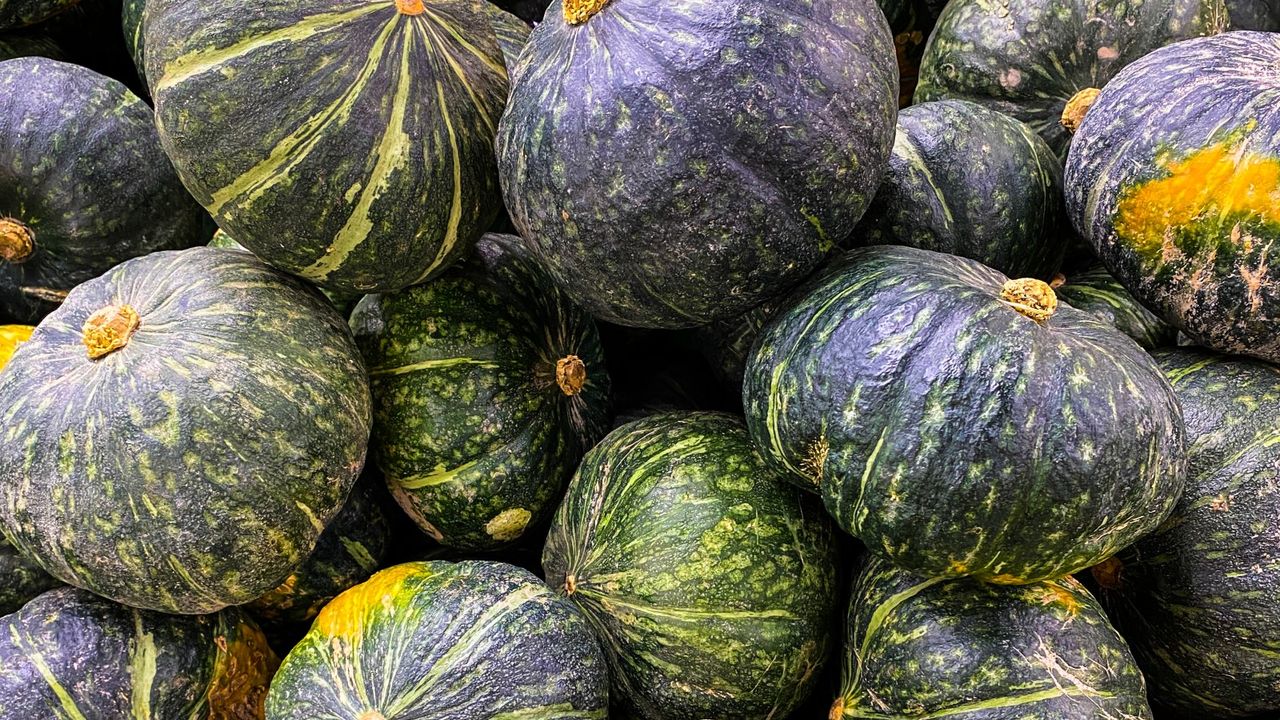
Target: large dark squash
x,y
1102,296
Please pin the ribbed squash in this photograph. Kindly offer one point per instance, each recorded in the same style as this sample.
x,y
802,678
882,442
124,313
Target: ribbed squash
x,y
1102,296
180,430
512,33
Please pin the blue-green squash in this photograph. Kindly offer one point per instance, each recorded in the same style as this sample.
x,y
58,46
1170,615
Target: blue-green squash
x,y
674,164
1174,179
710,580
488,385
933,648
465,641
1094,291
71,654
180,430
369,164
948,415
1197,598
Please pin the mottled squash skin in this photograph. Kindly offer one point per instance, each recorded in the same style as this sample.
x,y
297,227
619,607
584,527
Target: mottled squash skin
x,y
1254,15
343,302
972,182
1028,58
947,430
193,467
710,581
932,648
135,41
1102,296
1197,599
20,13
465,641
512,32
1174,179
72,654
20,579
674,164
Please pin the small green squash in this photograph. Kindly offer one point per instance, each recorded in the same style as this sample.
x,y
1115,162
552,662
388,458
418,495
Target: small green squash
x,y
710,580
21,13
1033,58
1174,179
1197,598
180,431
1254,15
674,164
932,648
973,182
71,654
465,641
85,185
488,385
1102,296
346,141
948,416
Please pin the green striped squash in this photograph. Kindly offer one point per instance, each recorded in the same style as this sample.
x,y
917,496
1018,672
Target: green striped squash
x,y
464,641
135,41
1096,292
511,32
346,141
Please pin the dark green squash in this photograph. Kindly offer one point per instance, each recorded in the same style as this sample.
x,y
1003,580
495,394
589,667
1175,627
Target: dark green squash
x,y
1102,296
488,385
1254,15
347,142
948,416
21,13
464,641
973,182
677,164
71,654
1174,178
343,302
180,431
135,41
710,581
1030,58
20,580
1197,598
84,186
512,33
34,45
920,648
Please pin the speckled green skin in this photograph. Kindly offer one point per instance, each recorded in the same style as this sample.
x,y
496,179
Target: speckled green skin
x,y
1254,15
511,31
81,166
1102,296
466,641
1197,599
469,421
1027,58
708,160
710,581
135,41
20,579
1209,278
20,13
71,655
956,436
957,648
969,181
368,166
343,302
195,467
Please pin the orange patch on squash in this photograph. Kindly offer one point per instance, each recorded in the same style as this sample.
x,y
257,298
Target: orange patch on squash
x,y
241,675
1057,595
344,615
410,7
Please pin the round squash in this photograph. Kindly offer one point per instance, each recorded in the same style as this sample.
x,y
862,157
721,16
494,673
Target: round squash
x,y
948,416
465,641
180,431
1102,296
1033,58
1174,179
933,648
488,385
346,141
343,302
678,164
1197,599
71,654
21,13
710,580
973,182
1254,15
85,184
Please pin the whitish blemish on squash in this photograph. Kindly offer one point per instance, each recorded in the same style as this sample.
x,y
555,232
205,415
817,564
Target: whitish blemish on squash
x,y
17,242
410,7
571,374
241,675
577,12
1011,78
1031,297
109,329
1077,107
344,616
508,524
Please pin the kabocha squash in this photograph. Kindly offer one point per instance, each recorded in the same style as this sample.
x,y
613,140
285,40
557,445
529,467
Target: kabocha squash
x,y
343,302
85,184
973,182
1174,179
21,13
674,164
369,165
1197,598
72,654
511,32
488,385
948,416
940,648
20,580
135,41
1102,296
180,430
1254,15
1041,61
709,579
466,641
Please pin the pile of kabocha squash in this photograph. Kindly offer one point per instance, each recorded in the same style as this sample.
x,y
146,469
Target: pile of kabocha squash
x,y
642,359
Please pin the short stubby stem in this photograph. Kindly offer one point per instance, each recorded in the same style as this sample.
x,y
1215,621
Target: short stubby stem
x,y
570,584
577,12
837,709
1077,107
109,329
410,7
1030,297
571,374
17,242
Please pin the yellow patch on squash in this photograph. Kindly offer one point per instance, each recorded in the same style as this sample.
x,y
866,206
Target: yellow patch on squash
x,y
508,524
11,336
1053,594
344,615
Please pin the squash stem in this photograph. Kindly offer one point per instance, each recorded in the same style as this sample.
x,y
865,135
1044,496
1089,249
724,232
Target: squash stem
x,y
577,12
1031,297
410,7
17,242
1077,107
109,329
571,374
837,709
